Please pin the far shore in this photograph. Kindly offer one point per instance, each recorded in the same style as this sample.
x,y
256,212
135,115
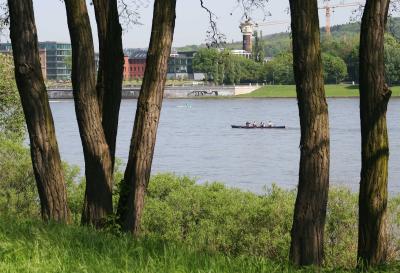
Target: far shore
x,y
331,91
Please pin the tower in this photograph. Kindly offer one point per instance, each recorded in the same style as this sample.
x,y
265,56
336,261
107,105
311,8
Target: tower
x,y
247,31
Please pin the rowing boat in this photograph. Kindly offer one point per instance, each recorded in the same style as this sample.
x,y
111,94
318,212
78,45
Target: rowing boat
x,y
258,127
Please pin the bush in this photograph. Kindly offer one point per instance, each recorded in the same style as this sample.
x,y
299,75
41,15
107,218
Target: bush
x,y
213,217
12,123
216,218
209,217
18,191
18,194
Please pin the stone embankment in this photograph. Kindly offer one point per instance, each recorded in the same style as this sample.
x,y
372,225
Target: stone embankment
x,y
170,91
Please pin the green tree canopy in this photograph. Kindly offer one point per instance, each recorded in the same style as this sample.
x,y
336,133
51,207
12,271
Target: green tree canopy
x,y
222,67
335,69
206,61
392,60
12,123
280,69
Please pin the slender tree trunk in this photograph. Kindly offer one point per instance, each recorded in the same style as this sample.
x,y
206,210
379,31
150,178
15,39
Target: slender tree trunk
x,y
137,173
310,209
39,120
374,98
98,165
111,65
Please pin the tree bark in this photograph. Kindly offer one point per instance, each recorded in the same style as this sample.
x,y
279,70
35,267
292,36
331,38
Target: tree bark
x,y
137,173
98,165
110,71
374,98
39,120
310,209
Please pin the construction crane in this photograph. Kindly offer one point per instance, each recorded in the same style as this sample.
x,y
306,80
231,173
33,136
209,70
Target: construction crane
x,y
330,8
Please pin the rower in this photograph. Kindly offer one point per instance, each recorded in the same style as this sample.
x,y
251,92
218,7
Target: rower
x,y
270,124
247,123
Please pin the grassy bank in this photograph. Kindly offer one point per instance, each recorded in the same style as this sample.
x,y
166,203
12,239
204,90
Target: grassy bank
x,y
188,227
289,91
31,246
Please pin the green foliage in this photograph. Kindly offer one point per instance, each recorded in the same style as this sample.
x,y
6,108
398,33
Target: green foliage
x,y
32,246
222,67
214,218
392,60
68,61
12,123
341,229
191,228
335,69
75,191
249,70
258,48
18,194
206,61
277,44
343,43
280,69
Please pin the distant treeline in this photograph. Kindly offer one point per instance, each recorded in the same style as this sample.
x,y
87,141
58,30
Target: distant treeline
x,y
340,58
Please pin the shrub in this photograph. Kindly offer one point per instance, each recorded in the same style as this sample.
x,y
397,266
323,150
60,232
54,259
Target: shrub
x,y
18,194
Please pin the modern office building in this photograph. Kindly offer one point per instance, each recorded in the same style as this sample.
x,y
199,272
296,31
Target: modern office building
x,y
180,65
58,60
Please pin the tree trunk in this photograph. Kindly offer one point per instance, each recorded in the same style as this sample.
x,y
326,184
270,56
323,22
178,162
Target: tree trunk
x,y
137,173
39,120
374,98
310,209
98,165
111,65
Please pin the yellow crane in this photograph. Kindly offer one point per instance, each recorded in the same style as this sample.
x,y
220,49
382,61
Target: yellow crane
x,y
329,8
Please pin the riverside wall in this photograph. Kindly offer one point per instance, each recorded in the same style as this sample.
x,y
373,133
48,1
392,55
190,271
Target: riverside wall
x,y
192,91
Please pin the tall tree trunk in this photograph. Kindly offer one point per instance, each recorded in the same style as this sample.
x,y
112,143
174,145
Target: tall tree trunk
x,y
39,120
374,98
111,65
310,209
98,165
137,173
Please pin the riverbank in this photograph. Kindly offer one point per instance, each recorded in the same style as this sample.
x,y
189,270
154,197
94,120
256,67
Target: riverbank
x,y
31,246
187,227
289,91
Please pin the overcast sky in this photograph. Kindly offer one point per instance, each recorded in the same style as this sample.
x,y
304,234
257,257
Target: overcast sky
x,y
191,21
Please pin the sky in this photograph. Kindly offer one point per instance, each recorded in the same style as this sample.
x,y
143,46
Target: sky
x,y
191,21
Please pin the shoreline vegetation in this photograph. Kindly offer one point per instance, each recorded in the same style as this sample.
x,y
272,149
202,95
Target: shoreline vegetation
x,y
186,227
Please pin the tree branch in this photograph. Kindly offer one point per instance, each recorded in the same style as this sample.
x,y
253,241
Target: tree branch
x,y
129,11
214,37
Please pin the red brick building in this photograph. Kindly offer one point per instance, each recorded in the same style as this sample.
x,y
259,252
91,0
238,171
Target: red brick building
x,y
134,65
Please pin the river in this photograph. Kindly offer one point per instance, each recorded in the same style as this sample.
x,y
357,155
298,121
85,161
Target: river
x,y
195,139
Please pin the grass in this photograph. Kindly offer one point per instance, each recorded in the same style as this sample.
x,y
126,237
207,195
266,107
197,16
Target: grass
x,y
31,246
289,91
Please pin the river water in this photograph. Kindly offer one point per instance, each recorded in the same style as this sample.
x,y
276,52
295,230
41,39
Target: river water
x,y
195,139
